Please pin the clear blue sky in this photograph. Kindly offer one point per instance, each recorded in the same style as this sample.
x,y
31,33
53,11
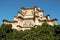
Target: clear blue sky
x,y
9,8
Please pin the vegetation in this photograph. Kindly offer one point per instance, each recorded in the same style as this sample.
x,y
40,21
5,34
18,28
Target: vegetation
x,y
44,32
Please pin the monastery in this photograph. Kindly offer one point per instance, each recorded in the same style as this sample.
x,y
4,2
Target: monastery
x,y
30,17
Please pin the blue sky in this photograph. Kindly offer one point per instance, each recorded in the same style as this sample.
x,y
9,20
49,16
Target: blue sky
x,y
9,8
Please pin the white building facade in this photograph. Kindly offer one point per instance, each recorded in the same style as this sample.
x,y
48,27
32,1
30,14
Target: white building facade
x,y
29,17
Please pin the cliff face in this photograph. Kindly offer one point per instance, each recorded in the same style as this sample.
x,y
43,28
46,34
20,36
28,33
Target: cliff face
x,y
29,17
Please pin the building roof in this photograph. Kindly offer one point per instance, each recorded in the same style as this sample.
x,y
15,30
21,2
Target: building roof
x,y
29,8
54,19
20,17
23,27
48,15
24,18
48,20
40,10
9,21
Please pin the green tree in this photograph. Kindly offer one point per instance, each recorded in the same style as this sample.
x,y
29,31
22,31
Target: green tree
x,y
4,30
57,31
43,32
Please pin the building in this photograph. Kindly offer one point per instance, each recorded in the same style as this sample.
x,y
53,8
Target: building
x,y
29,17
